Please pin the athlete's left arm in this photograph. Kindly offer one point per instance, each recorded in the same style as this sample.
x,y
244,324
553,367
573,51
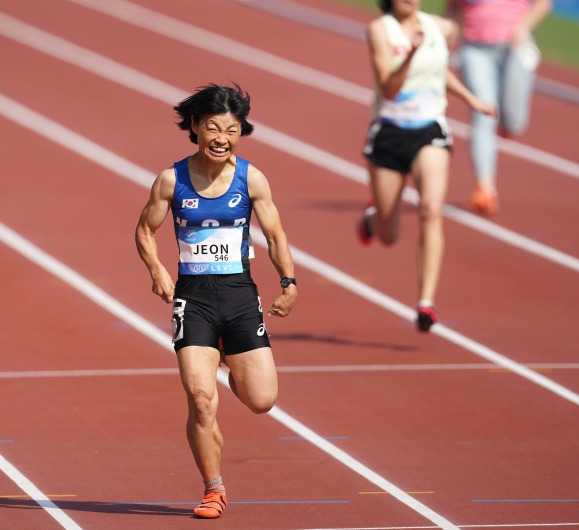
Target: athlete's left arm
x,y
538,11
454,85
279,252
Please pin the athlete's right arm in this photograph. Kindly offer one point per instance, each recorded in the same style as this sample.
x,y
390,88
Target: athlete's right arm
x,y
389,80
152,217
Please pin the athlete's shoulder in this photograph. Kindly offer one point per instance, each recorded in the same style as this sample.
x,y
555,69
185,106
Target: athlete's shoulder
x,y
253,172
165,182
449,28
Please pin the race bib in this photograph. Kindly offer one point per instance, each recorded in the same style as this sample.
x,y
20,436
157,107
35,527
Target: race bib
x,y
210,250
410,110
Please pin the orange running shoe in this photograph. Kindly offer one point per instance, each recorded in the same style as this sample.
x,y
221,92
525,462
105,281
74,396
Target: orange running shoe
x,y
485,201
211,506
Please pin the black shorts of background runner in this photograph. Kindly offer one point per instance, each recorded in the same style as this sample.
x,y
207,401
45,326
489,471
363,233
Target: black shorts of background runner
x,y
212,306
392,147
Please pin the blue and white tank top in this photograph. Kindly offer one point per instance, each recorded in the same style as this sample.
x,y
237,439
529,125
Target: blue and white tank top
x,y
212,233
422,98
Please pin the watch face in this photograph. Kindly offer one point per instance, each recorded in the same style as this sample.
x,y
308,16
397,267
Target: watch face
x,y
287,281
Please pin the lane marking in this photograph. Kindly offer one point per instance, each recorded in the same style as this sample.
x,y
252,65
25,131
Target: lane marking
x,y
386,493
417,367
41,125
123,372
189,503
88,373
524,500
515,525
161,91
197,37
29,497
47,262
34,493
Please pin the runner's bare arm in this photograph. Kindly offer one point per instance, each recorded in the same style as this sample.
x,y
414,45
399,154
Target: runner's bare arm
x,y
152,217
278,247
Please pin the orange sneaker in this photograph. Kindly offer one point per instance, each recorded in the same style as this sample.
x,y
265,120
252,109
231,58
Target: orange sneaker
x,y
211,506
485,201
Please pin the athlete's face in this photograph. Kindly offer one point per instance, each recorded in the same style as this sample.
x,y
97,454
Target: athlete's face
x,y
405,7
218,135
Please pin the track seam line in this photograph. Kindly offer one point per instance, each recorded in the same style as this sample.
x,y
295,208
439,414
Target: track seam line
x,y
285,369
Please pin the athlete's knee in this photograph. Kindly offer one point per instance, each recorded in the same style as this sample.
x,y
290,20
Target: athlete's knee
x,y
201,407
514,128
262,405
387,234
430,211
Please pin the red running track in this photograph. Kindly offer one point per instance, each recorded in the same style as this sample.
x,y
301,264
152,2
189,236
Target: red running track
x,y
474,425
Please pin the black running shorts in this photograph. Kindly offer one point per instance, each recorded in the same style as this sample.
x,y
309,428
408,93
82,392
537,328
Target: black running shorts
x,y
210,307
394,148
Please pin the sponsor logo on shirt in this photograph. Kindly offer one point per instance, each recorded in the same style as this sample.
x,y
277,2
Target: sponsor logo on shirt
x,y
235,200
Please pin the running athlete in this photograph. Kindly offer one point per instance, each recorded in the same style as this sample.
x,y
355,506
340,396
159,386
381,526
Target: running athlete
x,y
498,60
217,313
409,133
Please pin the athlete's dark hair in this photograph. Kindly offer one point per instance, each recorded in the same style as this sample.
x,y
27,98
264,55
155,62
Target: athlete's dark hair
x,y
385,5
214,99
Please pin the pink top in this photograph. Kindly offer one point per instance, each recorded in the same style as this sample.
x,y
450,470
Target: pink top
x,y
492,21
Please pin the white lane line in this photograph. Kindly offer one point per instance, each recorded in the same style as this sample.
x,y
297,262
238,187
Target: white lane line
x,y
41,125
36,495
156,89
231,49
462,526
110,304
349,368
113,372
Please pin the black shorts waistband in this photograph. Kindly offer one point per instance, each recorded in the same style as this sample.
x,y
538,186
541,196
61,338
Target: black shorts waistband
x,y
213,278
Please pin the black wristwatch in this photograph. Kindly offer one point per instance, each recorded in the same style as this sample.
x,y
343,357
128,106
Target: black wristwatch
x,y
285,282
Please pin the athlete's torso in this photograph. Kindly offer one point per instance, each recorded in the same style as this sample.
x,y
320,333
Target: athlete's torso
x,y
422,98
212,233
492,21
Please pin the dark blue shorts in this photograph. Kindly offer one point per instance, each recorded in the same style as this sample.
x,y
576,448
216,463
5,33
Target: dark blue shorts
x,y
394,148
210,307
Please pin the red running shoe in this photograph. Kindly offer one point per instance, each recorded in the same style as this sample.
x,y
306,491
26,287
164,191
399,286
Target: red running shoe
x,y
211,506
427,316
363,229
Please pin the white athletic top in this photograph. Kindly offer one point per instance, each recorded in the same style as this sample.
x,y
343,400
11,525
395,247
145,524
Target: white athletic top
x,y
422,98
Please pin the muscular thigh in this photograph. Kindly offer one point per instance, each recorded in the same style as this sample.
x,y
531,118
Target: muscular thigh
x,y
430,170
255,375
198,369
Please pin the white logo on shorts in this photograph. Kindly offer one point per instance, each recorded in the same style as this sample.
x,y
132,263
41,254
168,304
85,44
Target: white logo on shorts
x,y
261,330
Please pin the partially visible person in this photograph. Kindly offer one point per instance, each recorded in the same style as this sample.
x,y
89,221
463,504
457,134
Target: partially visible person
x,y
217,313
498,58
409,133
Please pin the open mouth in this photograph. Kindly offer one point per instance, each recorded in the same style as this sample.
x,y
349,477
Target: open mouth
x,y
219,151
